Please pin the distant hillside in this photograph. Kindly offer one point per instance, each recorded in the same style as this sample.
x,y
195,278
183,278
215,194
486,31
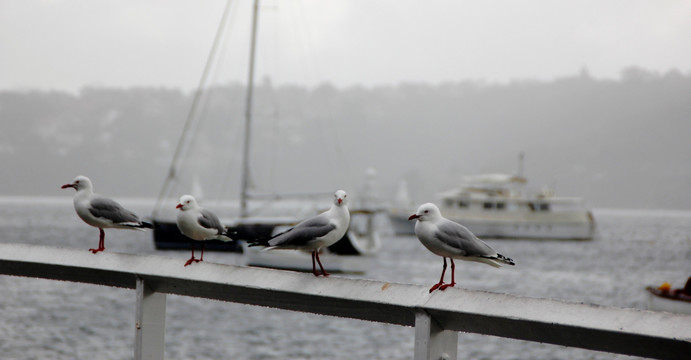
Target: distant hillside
x,y
621,143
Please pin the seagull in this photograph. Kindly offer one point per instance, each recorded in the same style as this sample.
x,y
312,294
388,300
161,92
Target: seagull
x,y
453,240
102,212
314,233
199,224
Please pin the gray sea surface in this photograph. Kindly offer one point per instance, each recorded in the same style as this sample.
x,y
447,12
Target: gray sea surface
x,y
43,319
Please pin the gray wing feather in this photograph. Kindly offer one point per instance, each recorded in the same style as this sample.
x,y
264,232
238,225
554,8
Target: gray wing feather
x,y
303,232
106,208
210,221
459,237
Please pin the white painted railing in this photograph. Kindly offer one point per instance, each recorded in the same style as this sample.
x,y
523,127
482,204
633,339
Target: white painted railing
x,y
437,317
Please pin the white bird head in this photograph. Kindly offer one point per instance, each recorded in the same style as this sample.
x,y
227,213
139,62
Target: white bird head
x,y
79,183
340,198
426,212
187,202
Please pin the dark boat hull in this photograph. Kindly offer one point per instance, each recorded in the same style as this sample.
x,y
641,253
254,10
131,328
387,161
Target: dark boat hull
x,y
167,236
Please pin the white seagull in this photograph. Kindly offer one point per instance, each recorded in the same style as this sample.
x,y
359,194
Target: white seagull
x,y
101,212
449,239
314,233
199,224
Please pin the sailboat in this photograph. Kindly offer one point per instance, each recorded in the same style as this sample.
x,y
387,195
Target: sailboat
x,y
252,217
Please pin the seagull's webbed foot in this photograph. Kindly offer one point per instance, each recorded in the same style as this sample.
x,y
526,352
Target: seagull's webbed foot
x,y
101,242
191,260
437,286
443,287
93,251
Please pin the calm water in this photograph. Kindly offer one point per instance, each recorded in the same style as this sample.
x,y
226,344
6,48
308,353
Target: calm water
x,y
41,319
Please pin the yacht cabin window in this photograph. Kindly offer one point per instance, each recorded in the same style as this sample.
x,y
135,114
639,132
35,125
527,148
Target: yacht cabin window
x,y
462,203
538,206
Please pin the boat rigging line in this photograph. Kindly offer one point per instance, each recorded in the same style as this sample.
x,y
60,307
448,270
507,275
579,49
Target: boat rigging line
x,y
191,116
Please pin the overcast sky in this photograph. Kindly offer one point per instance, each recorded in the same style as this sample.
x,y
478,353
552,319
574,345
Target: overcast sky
x,y
60,44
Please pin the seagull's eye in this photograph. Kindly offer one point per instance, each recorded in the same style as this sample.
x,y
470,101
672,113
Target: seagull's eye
x,y
426,211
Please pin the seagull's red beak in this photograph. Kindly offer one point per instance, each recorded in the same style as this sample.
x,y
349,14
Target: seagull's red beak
x,y
68,186
340,201
178,206
414,216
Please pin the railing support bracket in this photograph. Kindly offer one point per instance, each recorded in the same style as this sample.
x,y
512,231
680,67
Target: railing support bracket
x,y
432,342
150,323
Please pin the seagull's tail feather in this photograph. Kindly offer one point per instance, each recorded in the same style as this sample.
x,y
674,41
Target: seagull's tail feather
x,y
265,241
501,258
223,238
489,260
258,242
227,235
497,260
137,225
506,260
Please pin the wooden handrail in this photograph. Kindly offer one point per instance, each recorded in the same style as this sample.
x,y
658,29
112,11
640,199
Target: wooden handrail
x,y
438,317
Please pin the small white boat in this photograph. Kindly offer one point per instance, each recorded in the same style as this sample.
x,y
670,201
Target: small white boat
x,y
664,298
502,206
362,246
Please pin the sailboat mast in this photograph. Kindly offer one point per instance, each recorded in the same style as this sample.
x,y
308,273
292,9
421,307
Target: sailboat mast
x,y
184,141
244,212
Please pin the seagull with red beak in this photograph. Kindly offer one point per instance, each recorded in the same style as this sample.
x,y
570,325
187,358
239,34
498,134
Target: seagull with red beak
x,y
452,240
199,224
314,233
101,212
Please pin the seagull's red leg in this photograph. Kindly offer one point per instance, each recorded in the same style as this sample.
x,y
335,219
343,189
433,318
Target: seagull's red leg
x,y
192,258
453,276
202,258
314,265
320,264
101,241
441,280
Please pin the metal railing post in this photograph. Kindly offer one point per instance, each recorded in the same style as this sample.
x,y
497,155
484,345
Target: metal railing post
x,y
431,341
150,323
